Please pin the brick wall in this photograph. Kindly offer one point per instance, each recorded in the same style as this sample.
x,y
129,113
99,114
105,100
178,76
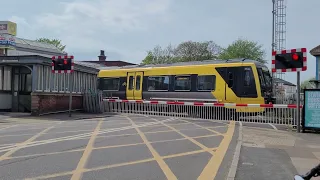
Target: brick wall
x,y
42,102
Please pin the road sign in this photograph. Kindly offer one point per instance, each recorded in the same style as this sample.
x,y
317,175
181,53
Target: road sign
x,y
62,64
291,60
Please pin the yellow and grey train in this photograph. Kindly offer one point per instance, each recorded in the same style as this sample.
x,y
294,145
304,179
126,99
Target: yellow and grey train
x,y
225,81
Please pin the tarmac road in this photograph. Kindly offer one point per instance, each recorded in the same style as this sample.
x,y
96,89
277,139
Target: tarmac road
x,y
118,147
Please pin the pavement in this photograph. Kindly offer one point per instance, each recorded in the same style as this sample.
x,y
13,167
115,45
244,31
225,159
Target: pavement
x,y
280,153
117,147
122,146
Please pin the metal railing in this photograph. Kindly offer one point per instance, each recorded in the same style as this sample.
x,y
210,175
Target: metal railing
x,y
261,113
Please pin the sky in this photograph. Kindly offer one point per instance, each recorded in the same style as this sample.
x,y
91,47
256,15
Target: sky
x,y
126,29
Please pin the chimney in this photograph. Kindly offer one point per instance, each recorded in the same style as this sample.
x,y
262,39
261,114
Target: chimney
x,y
102,57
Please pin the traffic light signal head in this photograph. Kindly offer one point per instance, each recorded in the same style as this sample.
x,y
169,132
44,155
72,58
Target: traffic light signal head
x,y
289,60
62,64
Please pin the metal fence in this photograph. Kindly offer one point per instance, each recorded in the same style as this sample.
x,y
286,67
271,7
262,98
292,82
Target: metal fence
x,y
261,113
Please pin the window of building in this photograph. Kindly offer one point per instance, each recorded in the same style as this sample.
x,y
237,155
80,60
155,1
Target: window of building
x,y
158,83
206,83
109,84
182,83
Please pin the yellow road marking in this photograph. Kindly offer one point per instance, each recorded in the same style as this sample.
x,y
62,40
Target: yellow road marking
x,y
165,168
187,153
51,175
21,145
187,137
211,169
78,171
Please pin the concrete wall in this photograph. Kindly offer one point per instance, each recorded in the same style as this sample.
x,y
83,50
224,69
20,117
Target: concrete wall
x,y
42,103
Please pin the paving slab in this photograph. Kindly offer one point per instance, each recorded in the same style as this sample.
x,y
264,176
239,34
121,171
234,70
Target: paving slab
x,y
261,163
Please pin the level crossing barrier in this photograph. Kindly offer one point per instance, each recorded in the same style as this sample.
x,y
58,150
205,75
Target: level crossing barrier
x,y
261,113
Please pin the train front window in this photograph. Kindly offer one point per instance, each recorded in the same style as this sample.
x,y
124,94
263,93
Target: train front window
x,y
267,77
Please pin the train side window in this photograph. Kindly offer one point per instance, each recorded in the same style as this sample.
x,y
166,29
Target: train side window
x,y
230,80
130,87
206,82
182,83
138,83
109,84
158,83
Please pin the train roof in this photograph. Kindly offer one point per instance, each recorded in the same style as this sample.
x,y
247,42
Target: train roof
x,y
190,63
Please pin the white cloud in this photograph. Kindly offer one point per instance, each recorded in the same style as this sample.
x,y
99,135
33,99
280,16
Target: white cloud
x,y
111,15
88,26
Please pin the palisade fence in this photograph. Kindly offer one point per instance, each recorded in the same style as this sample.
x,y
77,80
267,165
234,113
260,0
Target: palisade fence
x,y
93,101
265,113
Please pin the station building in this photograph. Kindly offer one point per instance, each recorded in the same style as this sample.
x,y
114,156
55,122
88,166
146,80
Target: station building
x,y
28,85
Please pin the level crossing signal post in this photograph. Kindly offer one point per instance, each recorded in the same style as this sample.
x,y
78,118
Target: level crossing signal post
x,y
292,60
64,65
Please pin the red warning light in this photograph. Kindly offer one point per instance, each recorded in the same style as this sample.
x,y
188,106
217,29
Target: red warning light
x,y
295,57
65,62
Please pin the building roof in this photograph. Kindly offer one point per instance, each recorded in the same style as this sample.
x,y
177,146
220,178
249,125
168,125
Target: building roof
x,y
315,51
284,82
110,63
35,45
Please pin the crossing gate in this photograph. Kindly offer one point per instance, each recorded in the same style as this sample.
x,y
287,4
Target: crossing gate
x,y
263,113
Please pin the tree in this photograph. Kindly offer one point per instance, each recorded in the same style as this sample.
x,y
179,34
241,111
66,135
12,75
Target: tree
x,y
307,84
55,42
184,52
242,48
197,51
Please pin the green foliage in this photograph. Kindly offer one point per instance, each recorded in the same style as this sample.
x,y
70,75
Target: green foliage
x,y
307,84
184,52
242,48
55,42
206,50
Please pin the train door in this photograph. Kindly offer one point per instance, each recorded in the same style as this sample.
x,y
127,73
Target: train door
x,y
231,77
134,85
